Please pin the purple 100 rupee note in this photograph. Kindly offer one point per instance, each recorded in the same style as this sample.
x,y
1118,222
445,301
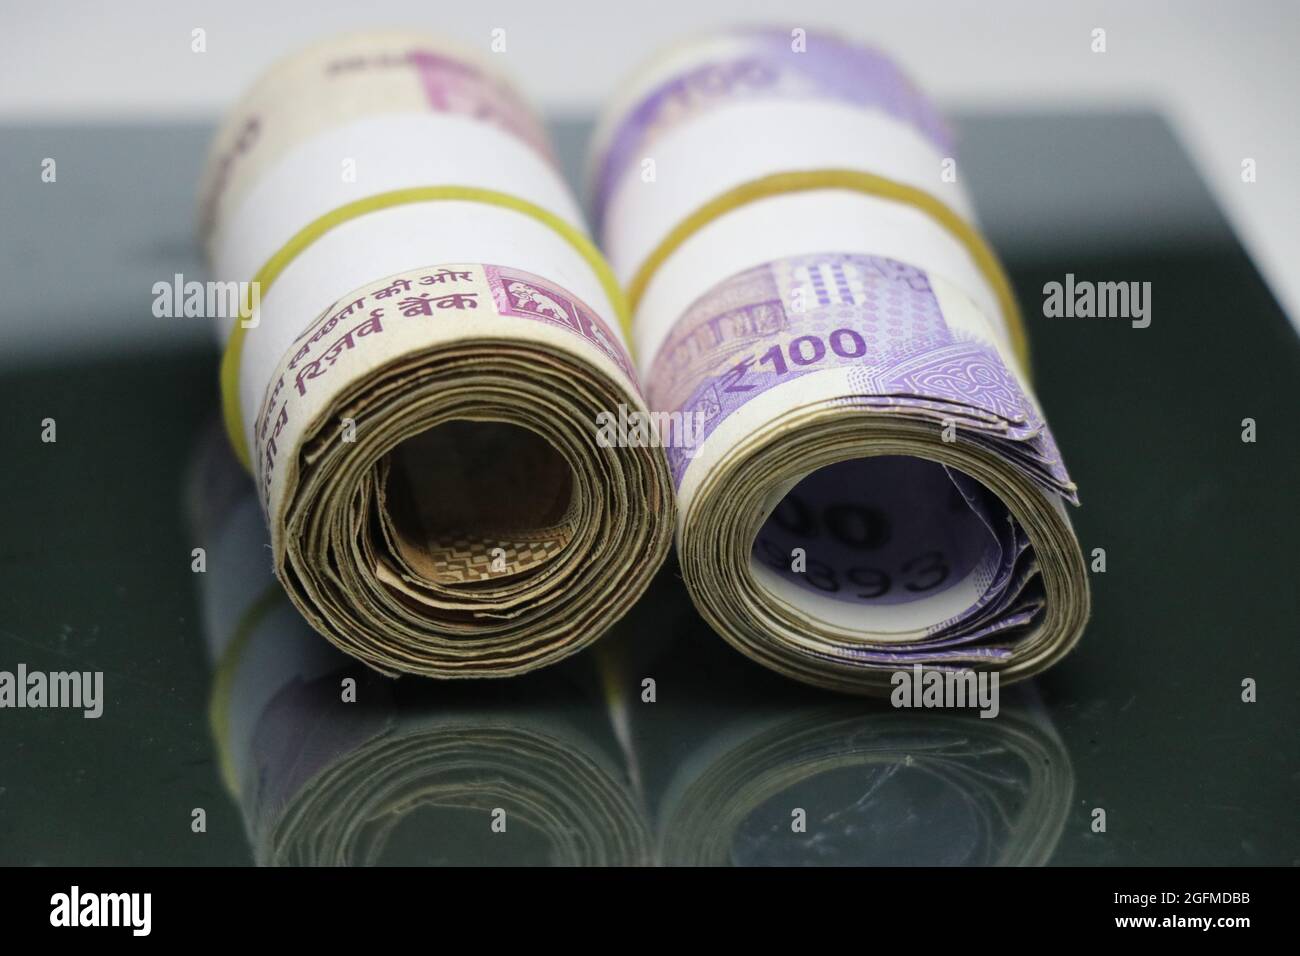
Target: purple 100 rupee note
x,y
875,317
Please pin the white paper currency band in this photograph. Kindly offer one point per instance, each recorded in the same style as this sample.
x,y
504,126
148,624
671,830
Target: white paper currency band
x,y
761,139
397,240
803,224
232,358
386,152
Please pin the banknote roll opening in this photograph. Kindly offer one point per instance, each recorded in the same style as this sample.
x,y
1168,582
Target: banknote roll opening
x,y
491,483
887,530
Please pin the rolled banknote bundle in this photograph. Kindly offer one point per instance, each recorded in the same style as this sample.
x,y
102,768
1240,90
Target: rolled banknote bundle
x,y
425,340
865,480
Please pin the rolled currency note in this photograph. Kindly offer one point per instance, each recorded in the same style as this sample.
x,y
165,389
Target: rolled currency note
x,y
332,765
426,340
869,482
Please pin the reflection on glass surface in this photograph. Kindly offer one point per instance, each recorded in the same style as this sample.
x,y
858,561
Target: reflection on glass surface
x,y
730,756
877,789
714,770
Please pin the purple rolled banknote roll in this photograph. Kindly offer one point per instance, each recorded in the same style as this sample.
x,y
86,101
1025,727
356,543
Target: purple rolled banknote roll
x,y
865,479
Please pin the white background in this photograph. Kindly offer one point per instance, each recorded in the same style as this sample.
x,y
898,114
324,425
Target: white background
x,y
1225,74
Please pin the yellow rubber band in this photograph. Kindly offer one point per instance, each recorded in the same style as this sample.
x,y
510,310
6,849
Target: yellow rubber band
x,y
781,183
223,684
230,360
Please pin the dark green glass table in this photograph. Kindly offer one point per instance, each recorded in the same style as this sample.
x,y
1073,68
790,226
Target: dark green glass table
x,y
1145,720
